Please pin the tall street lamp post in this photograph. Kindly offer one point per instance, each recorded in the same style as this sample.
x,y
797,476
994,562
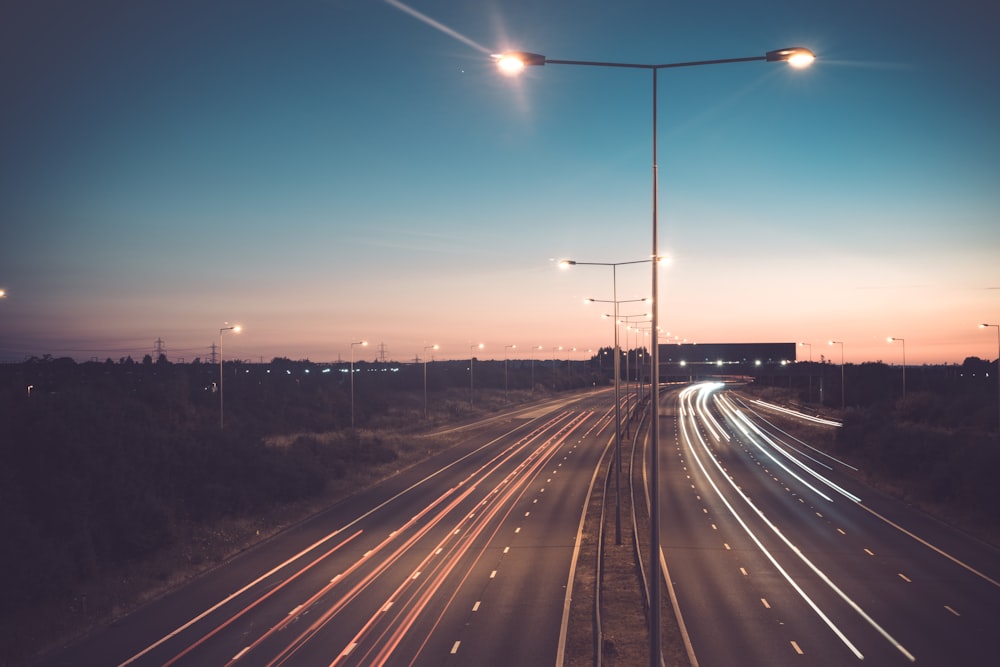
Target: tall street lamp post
x,y
472,359
235,329
428,347
997,327
362,343
505,383
843,404
892,339
513,63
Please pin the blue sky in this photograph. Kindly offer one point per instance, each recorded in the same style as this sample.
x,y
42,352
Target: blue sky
x,y
326,172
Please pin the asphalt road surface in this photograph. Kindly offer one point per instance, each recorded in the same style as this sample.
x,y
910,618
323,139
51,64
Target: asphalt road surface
x,y
465,559
777,557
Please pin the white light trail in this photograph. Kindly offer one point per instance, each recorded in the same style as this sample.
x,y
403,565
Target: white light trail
x,y
685,395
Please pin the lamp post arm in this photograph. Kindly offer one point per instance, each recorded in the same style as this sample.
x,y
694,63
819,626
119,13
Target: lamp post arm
x,y
690,63
611,264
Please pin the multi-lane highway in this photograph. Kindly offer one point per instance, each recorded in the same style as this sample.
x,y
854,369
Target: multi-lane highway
x,y
775,554
778,557
464,559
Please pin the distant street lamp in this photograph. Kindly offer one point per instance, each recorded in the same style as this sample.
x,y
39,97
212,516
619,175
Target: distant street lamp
x,y
533,348
505,384
997,327
235,329
515,62
362,343
892,339
472,360
841,344
428,347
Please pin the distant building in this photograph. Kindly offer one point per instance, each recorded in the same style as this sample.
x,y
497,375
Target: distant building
x,y
726,354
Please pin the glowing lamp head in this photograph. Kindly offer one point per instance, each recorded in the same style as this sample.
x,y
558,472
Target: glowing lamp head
x,y
795,56
513,62
237,328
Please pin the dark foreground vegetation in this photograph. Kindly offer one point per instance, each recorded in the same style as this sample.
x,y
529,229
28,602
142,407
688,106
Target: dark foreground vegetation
x,y
937,447
110,471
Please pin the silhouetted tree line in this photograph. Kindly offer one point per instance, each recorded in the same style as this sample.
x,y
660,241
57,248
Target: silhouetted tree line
x,y
100,464
104,463
940,442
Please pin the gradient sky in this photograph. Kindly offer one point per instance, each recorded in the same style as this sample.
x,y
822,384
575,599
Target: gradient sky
x,y
327,171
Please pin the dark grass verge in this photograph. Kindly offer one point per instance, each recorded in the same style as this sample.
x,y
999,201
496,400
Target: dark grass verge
x,y
981,524
197,549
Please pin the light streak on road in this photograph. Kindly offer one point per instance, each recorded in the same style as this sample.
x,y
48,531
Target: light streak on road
x,y
796,413
750,429
424,589
686,395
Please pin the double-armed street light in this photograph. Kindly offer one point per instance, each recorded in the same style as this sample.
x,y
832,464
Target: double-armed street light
x,y
236,328
997,327
362,343
427,347
515,62
893,339
472,359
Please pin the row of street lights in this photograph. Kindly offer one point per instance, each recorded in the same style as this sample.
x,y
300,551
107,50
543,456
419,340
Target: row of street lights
x,y
566,263
902,341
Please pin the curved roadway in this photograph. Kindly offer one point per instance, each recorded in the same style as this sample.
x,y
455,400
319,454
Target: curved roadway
x,y
778,557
